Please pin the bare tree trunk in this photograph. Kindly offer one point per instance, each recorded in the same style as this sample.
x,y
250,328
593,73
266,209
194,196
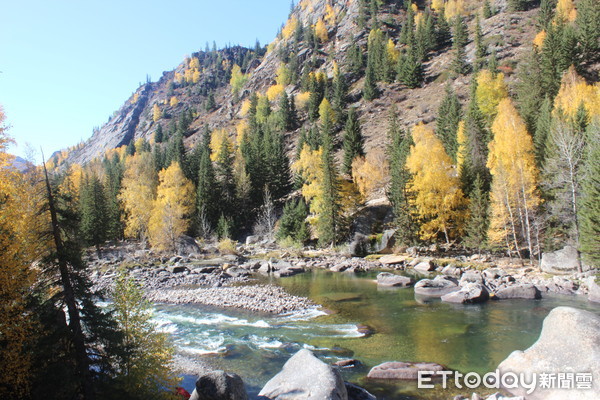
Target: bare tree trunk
x,y
83,362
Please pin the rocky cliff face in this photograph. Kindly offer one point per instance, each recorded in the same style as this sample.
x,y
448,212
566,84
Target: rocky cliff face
x,y
509,34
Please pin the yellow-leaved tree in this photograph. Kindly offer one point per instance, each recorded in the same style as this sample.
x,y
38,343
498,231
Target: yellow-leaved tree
x,y
237,81
21,227
69,188
308,166
371,173
575,92
172,209
137,194
321,31
439,201
174,101
514,196
290,27
491,89
156,113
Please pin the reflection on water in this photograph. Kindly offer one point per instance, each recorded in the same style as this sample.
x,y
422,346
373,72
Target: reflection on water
x,y
465,338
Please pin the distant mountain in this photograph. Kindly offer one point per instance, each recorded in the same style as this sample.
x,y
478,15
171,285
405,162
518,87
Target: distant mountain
x,y
20,163
199,88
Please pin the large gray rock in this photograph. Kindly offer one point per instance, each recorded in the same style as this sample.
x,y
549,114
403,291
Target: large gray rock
x,y
392,280
593,289
358,393
470,293
425,266
519,291
569,343
401,370
436,287
360,245
561,262
471,277
219,385
187,245
387,242
305,377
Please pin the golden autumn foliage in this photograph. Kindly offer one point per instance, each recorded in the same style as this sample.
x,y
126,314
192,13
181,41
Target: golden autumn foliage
x,y
491,89
290,27
173,101
137,194
454,8
274,91
245,107
330,15
326,112
514,196
308,166
371,173
538,41
156,113
218,139
392,52
135,98
238,79
321,31
437,4
21,227
283,75
574,92
439,201
172,209
72,182
565,11
302,100
241,130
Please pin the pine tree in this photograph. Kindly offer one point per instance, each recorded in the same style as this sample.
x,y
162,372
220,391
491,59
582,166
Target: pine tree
x,y
517,5
113,171
476,147
542,130
206,201
293,221
478,223
589,209
460,38
492,63
480,47
449,115
588,28
340,93
93,212
276,165
370,90
225,178
399,193
487,9
410,69
158,134
329,222
353,141
442,32
284,114
546,14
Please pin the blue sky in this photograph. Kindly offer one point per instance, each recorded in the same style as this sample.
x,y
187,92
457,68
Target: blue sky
x,y
67,65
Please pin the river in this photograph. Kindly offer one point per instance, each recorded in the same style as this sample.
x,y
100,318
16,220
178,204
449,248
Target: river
x,y
461,337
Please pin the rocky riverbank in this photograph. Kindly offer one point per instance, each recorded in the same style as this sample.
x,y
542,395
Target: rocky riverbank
x,y
258,298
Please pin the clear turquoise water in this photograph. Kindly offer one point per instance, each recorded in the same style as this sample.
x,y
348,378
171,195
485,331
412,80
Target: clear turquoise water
x,y
465,338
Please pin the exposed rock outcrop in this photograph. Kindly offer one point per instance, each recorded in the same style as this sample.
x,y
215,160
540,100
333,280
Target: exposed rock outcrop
x,y
219,385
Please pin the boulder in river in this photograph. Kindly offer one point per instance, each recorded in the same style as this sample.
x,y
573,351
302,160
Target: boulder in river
x,y
568,344
391,280
358,393
519,291
469,293
305,377
561,262
219,385
392,259
425,266
593,289
402,370
436,287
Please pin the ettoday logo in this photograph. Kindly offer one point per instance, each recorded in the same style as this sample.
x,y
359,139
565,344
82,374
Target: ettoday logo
x,y
507,380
